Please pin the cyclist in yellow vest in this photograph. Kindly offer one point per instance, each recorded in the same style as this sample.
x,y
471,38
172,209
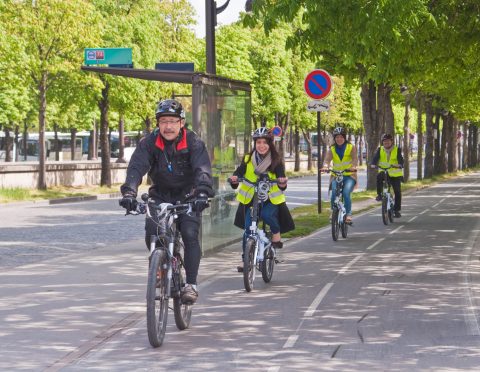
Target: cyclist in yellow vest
x,y
264,158
390,155
343,155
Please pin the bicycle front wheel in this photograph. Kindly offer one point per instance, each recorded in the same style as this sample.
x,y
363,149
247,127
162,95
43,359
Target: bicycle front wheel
x,y
157,298
249,264
385,211
268,264
344,228
335,225
181,311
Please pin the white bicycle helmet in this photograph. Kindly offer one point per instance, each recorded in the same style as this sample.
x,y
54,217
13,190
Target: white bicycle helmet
x,y
339,131
262,132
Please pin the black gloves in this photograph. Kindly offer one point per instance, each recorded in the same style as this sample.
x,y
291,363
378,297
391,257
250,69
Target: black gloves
x,y
201,202
129,202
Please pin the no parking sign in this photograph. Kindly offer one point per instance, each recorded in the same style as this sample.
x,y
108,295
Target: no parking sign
x,y
318,84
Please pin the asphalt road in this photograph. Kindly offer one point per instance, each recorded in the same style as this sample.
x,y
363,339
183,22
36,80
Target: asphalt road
x,y
398,297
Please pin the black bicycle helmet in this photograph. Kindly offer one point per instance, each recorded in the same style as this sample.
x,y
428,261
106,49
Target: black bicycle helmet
x,y
387,136
262,132
170,107
339,131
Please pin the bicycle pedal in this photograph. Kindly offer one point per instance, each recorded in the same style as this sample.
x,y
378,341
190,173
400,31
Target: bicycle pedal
x,y
277,261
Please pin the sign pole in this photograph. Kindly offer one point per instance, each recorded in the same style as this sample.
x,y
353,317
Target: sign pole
x,y
319,164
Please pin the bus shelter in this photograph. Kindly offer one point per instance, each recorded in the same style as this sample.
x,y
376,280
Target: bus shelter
x,y
219,111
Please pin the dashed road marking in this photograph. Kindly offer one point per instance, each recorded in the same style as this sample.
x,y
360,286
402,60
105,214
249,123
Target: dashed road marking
x,y
313,306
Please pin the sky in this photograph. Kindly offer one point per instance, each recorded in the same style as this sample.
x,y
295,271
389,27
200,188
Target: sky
x,y
229,15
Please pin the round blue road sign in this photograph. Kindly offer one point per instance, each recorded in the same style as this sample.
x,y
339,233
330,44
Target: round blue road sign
x,y
318,84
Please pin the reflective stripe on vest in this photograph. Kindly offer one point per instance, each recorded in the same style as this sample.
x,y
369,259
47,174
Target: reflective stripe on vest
x,y
346,162
246,189
385,163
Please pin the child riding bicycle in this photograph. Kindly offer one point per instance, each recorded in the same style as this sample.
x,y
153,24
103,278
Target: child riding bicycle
x,y
343,154
264,158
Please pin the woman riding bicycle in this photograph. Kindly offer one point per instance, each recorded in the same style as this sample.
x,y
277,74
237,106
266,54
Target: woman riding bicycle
x,y
264,158
389,155
343,154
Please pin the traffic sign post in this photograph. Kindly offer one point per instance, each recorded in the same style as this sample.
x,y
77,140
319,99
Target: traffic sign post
x,y
318,85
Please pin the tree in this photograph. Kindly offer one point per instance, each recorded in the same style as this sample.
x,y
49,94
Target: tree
x,y
54,34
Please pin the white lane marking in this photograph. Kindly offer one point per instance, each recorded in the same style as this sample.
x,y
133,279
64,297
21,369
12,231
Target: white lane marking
x,y
347,266
394,231
293,203
376,243
313,306
470,308
411,219
425,211
274,369
290,341
440,202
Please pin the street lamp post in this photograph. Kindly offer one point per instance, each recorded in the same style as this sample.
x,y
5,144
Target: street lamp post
x,y
211,12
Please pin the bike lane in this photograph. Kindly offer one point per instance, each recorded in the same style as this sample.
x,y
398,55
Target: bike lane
x,y
323,306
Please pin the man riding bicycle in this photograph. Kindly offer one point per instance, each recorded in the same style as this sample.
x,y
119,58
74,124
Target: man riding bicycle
x,y
264,158
178,164
343,154
389,155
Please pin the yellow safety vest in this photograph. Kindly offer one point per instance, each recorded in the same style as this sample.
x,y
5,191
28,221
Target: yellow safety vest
x,y
385,163
346,162
246,190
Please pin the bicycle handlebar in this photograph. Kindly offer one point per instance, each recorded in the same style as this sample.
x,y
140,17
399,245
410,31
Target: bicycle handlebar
x,y
338,172
146,203
241,179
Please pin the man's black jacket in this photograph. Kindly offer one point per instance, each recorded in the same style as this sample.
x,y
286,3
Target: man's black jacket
x,y
176,167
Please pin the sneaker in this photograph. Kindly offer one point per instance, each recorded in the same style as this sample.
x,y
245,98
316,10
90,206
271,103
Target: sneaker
x,y
240,268
348,220
397,214
378,198
189,294
277,245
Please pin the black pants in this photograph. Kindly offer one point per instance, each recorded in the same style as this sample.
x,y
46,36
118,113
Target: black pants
x,y
397,189
189,228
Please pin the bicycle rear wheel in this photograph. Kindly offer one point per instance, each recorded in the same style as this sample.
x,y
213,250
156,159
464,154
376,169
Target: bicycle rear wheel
x,y
157,298
268,264
335,225
385,211
249,264
181,311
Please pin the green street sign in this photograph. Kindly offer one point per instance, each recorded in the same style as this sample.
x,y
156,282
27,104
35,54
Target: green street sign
x,y
108,56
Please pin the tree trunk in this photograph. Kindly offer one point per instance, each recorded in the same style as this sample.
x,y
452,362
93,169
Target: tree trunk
x,y
372,128
16,141
296,144
148,125
443,148
73,139
92,142
381,106
406,139
42,109
25,136
8,146
121,140
474,146
464,145
292,140
56,142
103,104
389,117
452,146
419,99
429,140
436,159
308,140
